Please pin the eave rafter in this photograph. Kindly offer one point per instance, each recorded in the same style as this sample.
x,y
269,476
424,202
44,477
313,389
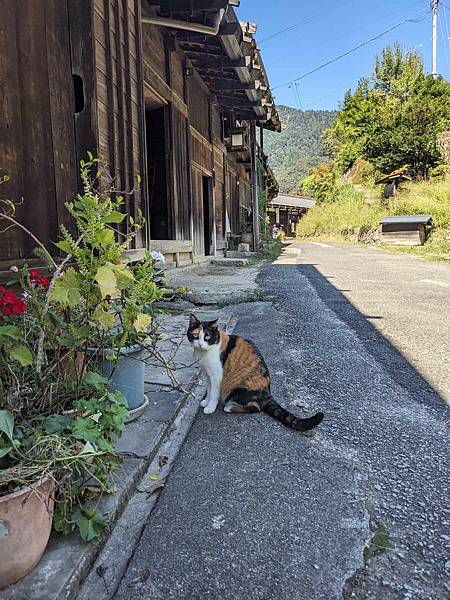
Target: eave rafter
x,y
229,63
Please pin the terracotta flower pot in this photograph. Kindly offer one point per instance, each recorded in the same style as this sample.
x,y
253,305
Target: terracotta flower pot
x,y
25,525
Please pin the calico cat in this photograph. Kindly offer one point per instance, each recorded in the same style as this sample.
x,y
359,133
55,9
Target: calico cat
x,y
237,375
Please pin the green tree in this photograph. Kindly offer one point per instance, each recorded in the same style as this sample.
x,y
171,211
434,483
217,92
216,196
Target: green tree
x,y
395,119
397,71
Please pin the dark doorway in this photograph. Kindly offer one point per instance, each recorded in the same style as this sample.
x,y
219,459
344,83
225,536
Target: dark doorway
x,y
155,121
207,195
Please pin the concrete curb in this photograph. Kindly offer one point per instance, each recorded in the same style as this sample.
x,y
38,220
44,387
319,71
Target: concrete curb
x,y
103,581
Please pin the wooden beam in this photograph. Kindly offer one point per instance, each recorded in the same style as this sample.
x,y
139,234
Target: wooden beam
x,y
157,84
172,6
247,115
232,28
198,52
187,40
217,64
224,85
236,101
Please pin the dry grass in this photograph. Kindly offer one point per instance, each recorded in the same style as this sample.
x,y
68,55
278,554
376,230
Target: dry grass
x,y
351,209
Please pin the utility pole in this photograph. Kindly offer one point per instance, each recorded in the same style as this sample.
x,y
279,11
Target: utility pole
x,y
434,9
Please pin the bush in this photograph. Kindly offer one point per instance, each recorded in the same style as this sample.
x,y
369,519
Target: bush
x,y
320,183
362,171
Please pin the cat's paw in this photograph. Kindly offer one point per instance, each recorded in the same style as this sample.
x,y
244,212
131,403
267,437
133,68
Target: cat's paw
x,y
204,402
208,410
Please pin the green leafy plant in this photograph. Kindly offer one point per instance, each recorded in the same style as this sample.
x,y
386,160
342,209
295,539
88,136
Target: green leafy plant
x,y
58,416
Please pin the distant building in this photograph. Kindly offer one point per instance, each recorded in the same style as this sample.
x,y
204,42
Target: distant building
x,y
288,209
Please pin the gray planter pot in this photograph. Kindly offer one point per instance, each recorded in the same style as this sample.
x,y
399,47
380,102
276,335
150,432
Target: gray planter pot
x,y
246,238
127,376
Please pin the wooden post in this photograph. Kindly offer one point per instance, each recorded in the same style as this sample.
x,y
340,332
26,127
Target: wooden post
x,y
255,204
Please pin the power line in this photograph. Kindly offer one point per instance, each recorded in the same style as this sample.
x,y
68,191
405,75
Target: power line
x,y
294,88
343,34
446,29
348,85
307,20
297,95
341,87
446,45
333,60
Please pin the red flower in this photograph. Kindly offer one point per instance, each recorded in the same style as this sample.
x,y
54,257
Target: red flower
x,y
37,279
10,304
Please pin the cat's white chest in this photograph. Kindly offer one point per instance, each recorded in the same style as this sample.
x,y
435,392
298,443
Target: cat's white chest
x,y
210,362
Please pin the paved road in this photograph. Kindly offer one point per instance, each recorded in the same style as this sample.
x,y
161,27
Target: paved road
x,y
254,511
405,298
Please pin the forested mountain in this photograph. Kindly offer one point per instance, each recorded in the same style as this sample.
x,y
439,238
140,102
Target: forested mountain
x,y
299,145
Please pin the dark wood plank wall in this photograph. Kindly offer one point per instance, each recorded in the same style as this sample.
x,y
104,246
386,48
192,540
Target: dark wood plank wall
x,y
82,54
197,154
164,78
201,166
198,103
216,125
219,197
180,176
232,198
37,135
201,152
101,42
119,99
245,192
198,240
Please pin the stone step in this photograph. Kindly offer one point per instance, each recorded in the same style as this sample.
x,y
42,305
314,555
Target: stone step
x,y
229,262
237,254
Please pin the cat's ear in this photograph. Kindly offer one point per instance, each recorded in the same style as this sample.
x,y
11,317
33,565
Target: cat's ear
x,y
213,324
193,321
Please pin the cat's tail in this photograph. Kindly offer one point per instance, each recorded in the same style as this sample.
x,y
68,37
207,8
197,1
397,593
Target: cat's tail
x,y
272,408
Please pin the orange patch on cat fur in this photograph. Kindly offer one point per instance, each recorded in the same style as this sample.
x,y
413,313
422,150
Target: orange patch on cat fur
x,y
224,339
242,370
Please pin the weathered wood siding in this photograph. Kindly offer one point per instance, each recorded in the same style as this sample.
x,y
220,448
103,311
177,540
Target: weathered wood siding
x,y
198,240
119,98
201,152
219,197
180,176
43,131
232,199
196,144
198,103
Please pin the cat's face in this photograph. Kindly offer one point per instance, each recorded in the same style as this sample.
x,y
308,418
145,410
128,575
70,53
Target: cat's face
x,y
203,335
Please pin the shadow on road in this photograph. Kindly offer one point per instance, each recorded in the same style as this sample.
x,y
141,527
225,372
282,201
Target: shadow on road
x,y
375,343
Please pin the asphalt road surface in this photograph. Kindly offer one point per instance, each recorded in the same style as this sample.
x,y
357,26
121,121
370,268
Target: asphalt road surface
x,y
255,511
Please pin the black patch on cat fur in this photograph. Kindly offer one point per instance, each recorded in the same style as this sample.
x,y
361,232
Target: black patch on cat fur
x,y
210,327
230,346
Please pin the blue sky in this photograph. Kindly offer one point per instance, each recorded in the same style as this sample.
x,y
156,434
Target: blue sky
x,y
331,28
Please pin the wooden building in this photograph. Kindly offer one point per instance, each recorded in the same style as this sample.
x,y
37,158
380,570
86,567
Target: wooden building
x,y
287,210
172,90
405,230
